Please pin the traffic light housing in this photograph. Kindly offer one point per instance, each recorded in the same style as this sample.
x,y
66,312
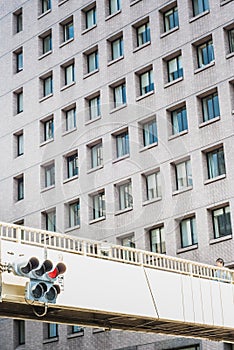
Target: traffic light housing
x,y
43,285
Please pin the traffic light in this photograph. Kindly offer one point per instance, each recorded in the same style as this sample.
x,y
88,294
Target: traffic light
x,y
42,286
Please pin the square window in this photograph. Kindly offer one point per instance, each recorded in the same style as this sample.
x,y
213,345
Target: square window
x,y
117,49
188,232
18,96
46,43
96,155
179,121
18,57
47,129
18,20
153,185
72,165
91,17
146,82
67,30
128,241
119,95
200,6
48,175
70,119
174,68
215,163
98,205
92,62
19,138
210,106
69,74
49,220
149,130
222,222
183,175
171,19
20,331
52,330
94,107
76,329
143,34
122,144
231,40
114,6
19,182
45,5
157,240
205,53
125,199
47,85
74,214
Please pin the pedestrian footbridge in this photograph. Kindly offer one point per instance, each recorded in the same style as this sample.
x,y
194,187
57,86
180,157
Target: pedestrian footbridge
x,y
116,287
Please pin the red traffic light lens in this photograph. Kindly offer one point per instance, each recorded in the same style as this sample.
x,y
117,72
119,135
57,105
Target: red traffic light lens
x,y
58,270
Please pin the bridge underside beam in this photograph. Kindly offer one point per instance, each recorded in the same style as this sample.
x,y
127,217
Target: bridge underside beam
x,y
108,322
